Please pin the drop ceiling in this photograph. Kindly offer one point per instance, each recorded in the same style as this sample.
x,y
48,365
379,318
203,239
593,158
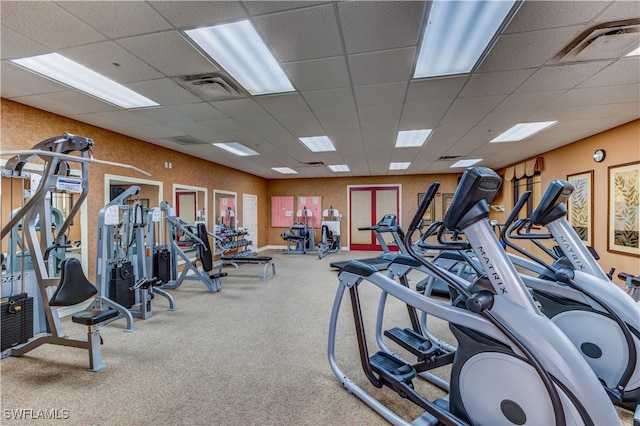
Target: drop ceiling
x,y
351,64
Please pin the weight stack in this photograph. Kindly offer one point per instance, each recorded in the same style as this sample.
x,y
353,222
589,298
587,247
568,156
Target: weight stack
x,y
17,320
121,285
162,265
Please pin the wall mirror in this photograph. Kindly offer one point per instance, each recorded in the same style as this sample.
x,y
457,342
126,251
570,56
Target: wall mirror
x,y
15,194
190,203
225,214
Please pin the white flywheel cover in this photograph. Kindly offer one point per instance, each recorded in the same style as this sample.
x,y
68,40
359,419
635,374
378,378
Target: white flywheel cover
x,y
588,330
489,381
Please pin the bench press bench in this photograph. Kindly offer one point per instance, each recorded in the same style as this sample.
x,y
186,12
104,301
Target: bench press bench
x,y
235,260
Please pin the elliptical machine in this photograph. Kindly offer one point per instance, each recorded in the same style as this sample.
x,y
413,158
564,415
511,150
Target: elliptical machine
x,y
601,320
512,364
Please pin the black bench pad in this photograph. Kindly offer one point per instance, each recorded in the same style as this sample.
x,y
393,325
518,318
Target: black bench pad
x,y
94,317
247,259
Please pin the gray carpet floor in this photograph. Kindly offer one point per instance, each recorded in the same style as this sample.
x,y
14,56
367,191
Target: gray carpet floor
x,y
252,354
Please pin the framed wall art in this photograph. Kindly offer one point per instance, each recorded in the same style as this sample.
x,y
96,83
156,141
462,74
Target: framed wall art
x,y
580,206
624,206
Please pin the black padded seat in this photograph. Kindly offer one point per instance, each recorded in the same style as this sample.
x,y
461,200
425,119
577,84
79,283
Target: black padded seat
x,y
74,286
247,259
94,317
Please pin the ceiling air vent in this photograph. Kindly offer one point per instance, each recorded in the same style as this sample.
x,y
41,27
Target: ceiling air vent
x,y
314,164
609,40
187,140
211,87
449,157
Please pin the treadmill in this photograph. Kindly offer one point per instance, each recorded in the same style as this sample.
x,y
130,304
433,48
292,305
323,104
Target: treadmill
x,y
388,224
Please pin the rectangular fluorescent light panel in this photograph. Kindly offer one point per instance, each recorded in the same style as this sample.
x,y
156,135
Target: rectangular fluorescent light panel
x,y
340,168
70,73
318,143
399,166
236,148
522,131
465,163
635,52
457,34
238,49
284,170
412,138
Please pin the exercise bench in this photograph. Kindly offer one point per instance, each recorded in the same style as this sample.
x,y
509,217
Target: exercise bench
x,y
235,260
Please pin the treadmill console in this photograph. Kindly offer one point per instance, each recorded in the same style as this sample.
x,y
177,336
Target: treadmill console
x,y
552,205
477,184
388,221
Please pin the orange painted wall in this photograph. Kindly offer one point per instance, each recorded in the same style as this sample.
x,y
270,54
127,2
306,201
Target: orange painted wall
x,y
23,127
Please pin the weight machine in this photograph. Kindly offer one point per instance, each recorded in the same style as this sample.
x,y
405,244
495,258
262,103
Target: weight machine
x,y
199,238
330,232
34,311
301,234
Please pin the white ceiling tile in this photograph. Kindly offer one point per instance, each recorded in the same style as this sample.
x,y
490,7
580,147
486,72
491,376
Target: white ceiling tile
x,y
386,115
368,26
561,77
125,118
101,57
423,115
191,128
282,104
198,13
318,74
321,100
381,94
96,120
199,112
48,104
118,18
528,101
495,83
16,45
628,110
36,19
17,81
184,58
81,100
260,7
580,97
164,91
625,94
617,10
259,123
536,15
381,67
623,71
297,119
338,119
303,34
435,89
554,114
222,125
159,130
482,104
240,107
162,115
306,130
527,50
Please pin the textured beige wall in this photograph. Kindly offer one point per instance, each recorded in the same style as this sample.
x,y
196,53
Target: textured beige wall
x,y
23,127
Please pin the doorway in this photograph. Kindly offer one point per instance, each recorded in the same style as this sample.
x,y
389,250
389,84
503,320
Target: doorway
x,y
250,218
367,205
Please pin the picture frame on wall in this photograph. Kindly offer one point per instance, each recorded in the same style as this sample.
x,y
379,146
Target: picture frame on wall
x,y
580,206
430,215
624,209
